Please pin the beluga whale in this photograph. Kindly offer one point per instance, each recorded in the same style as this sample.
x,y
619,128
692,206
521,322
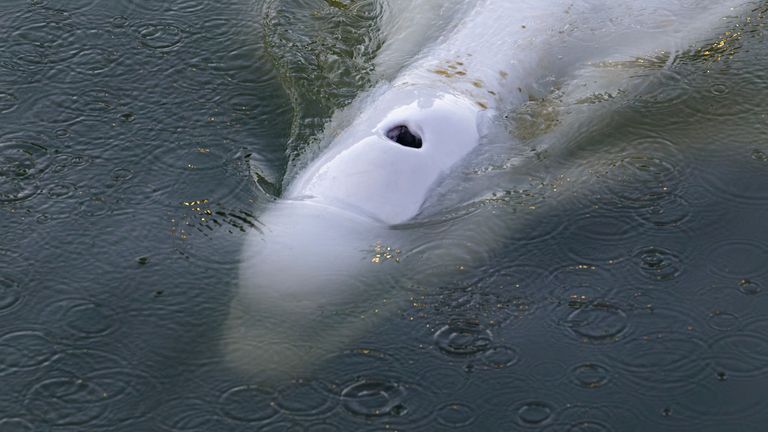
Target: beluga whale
x,y
447,72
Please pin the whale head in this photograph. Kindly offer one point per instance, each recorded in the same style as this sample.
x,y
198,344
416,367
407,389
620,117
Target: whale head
x,y
385,164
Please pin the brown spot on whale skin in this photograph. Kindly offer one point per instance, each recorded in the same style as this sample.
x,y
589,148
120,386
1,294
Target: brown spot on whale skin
x,y
503,74
460,73
460,63
482,105
477,83
491,92
443,72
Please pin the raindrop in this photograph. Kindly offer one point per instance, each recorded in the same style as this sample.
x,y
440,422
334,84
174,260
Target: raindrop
x,y
500,357
373,397
463,338
590,375
535,413
455,415
121,174
160,36
598,322
719,89
749,287
119,21
128,117
60,190
723,321
659,264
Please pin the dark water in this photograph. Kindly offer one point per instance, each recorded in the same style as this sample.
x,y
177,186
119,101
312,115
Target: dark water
x,y
138,137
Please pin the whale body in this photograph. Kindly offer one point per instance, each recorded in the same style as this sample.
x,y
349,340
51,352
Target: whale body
x,y
308,278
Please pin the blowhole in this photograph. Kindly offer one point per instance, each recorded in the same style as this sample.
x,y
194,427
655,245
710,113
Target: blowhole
x,y
403,136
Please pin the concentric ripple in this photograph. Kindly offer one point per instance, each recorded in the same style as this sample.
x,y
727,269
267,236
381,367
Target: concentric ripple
x,y
663,363
25,350
11,293
456,415
248,404
741,354
160,36
590,375
187,414
23,159
598,322
307,398
66,401
599,236
10,424
738,259
658,264
371,397
8,102
463,338
535,414
83,318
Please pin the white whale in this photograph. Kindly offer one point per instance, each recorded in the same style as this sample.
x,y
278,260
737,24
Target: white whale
x,y
308,279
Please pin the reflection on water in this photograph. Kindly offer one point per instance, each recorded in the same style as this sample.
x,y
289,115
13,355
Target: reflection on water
x,y
629,295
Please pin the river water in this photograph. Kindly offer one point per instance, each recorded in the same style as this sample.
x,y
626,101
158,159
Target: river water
x,y
138,138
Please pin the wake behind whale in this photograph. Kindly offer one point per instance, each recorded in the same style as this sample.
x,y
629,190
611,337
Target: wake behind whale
x,y
448,70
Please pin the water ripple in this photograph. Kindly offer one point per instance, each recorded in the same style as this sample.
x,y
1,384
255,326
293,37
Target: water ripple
x,y
738,259
66,401
640,178
187,414
25,350
658,264
312,399
708,96
463,338
11,424
741,354
160,36
580,284
598,322
591,375
588,235
248,404
11,293
500,357
535,413
8,102
23,160
374,398
83,318
456,415
663,363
